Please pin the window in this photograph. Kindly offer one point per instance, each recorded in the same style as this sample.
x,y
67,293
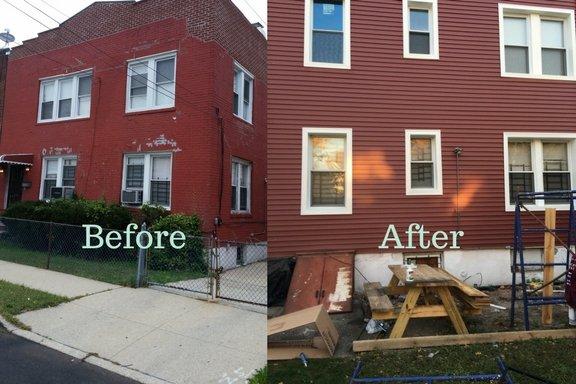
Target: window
x,y
326,171
151,83
538,163
58,177
65,98
327,34
421,37
243,93
241,180
423,162
150,175
537,42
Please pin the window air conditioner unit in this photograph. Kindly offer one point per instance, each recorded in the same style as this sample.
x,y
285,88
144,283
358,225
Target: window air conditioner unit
x,y
132,197
61,192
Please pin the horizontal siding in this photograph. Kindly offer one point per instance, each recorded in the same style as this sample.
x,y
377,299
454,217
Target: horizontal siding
x,y
462,94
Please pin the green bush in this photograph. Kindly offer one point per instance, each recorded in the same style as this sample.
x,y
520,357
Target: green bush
x,y
191,257
150,214
72,211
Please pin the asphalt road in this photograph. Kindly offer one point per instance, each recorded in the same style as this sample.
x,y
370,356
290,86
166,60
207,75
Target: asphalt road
x,y
25,362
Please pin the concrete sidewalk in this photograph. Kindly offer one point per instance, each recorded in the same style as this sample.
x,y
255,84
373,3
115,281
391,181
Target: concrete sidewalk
x,y
50,281
170,337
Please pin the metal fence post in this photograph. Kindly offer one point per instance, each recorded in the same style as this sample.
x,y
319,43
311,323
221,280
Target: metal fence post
x,y
215,272
141,273
50,241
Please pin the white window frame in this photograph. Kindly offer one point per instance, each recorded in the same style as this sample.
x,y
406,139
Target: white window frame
x,y
59,175
435,135
235,162
432,7
308,23
74,107
533,16
245,73
146,188
150,62
536,140
306,198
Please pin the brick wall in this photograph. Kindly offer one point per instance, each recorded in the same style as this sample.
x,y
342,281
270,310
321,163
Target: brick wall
x,y
3,69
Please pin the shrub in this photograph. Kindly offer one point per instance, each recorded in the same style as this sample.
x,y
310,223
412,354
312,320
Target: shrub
x,y
150,214
191,257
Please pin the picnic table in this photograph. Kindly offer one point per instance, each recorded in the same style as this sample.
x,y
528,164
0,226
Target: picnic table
x,y
434,288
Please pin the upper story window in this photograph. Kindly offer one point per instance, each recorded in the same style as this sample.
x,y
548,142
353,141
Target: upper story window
x,y
151,83
241,185
65,97
243,93
537,42
326,171
423,162
538,162
421,38
147,179
58,177
327,34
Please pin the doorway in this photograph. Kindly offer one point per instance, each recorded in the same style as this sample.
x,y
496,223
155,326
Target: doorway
x,y
15,179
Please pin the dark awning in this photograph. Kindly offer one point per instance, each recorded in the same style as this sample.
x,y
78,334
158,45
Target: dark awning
x,y
17,159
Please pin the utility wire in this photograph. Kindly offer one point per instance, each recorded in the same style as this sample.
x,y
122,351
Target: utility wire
x,y
56,9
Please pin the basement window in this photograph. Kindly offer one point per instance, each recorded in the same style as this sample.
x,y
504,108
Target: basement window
x,y
326,171
65,97
423,162
539,162
151,83
58,177
421,37
432,259
243,93
537,42
147,179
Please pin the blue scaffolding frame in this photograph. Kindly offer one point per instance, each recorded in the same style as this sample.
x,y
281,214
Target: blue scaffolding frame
x,y
518,261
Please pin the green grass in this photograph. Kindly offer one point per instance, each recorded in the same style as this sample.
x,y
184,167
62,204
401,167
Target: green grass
x,y
261,377
552,359
16,299
114,272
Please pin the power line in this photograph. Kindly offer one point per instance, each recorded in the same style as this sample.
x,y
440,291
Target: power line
x,y
56,9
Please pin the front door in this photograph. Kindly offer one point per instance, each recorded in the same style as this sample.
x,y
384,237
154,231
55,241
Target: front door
x,y
15,185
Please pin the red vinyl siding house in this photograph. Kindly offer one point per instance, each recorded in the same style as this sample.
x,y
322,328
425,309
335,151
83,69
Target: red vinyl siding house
x,y
433,112
157,101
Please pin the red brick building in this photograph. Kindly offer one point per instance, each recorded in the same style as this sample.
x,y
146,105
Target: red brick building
x,y
157,101
429,111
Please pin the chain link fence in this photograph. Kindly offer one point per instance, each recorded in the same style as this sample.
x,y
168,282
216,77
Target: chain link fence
x,y
229,270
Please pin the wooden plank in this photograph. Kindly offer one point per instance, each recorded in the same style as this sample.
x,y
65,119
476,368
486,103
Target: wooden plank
x,y
338,283
478,338
420,311
379,302
452,309
305,285
465,288
549,251
424,276
405,312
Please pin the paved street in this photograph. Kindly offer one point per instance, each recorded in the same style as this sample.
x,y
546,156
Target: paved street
x,y
25,362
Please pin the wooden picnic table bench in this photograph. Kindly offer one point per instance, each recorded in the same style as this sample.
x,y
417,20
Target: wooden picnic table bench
x,y
430,284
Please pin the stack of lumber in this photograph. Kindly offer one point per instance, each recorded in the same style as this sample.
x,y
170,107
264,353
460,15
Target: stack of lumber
x,y
473,300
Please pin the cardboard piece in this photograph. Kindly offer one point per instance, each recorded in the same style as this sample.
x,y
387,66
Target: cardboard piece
x,y
309,331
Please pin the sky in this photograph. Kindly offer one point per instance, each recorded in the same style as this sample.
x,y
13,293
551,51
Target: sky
x,y
24,28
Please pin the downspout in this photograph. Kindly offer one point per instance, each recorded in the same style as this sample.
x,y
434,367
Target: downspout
x,y
218,219
3,75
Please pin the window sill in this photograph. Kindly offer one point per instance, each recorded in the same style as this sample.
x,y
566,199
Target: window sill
x,y
313,64
242,120
130,206
538,77
240,215
150,110
59,121
421,56
320,211
424,192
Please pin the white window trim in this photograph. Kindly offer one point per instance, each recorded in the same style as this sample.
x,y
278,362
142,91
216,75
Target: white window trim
x,y
146,188
432,6
305,206
435,134
308,62
245,72
74,107
60,173
537,165
535,55
236,160
151,86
